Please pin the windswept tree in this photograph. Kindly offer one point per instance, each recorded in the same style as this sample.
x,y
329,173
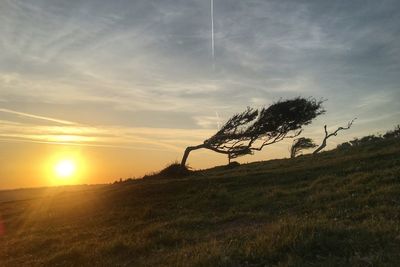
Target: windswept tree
x,y
254,129
301,144
328,135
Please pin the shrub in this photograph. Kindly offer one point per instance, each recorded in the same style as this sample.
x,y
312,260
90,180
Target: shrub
x,y
393,133
173,170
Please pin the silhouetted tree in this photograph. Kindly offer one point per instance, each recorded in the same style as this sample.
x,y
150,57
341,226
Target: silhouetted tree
x,y
327,135
300,144
371,139
254,129
392,133
365,140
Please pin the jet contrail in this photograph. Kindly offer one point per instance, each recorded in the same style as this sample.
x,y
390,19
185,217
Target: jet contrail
x,y
218,120
23,114
212,32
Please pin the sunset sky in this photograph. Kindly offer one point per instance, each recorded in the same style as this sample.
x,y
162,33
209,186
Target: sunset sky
x,y
122,87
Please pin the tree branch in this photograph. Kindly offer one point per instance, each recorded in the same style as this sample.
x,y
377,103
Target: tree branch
x,y
324,141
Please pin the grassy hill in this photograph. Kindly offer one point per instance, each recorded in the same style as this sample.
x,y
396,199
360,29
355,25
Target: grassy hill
x,y
339,208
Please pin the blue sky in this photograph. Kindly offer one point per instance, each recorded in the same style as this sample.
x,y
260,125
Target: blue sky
x,y
126,72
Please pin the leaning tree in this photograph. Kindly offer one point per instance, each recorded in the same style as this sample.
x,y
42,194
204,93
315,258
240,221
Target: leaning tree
x,y
254,129
301,144
328,135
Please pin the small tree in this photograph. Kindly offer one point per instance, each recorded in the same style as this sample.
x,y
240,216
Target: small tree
x,y
393,133
328,135
300,144
254,129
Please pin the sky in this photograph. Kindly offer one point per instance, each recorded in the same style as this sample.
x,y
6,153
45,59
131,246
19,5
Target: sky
x,y
125,86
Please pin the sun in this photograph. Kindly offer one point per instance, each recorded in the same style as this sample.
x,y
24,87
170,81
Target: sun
x,y
65,168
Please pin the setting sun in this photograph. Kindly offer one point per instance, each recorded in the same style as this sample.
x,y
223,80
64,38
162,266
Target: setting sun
x,y
65,168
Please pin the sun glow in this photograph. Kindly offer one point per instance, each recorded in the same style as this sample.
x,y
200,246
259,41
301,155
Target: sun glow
x,y
65,168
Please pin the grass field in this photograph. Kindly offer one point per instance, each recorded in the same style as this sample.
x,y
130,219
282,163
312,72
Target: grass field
x,y
339,208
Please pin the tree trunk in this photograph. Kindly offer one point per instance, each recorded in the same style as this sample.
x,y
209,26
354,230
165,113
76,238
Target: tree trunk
x,y
292,152
322,146
187,152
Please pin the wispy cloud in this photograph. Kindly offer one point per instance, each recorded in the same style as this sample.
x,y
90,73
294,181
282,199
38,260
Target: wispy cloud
x,y
73,133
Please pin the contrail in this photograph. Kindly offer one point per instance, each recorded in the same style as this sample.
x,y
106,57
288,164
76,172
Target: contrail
x,y
218,121
36,116
212,32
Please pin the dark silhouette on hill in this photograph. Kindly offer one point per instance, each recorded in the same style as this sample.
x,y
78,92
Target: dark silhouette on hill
x,y
254,129
393,133
174,170
301,144
371,139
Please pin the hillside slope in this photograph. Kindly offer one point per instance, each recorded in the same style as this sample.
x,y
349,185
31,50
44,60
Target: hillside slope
x,y
339,208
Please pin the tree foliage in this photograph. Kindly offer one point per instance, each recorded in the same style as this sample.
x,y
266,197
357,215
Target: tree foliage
x,y
371,139
254,129
301,144
395,133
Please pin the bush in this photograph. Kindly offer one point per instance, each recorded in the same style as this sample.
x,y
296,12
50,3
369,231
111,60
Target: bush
x,y
232,165
371,139
344,145
173,170
357,142
393,133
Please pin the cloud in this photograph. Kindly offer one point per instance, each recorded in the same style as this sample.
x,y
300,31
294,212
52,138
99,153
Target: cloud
x,y
84,135
148,63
